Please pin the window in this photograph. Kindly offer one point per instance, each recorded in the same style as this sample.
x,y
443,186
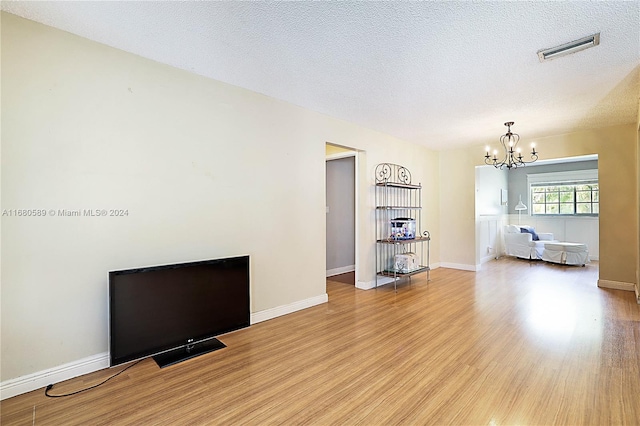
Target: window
x,y
565,199
565,193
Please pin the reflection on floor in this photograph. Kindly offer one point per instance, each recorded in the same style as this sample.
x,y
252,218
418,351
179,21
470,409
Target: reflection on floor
x,y
516,343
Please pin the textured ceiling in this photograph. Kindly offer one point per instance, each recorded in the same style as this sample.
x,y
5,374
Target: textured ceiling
x,y
441,73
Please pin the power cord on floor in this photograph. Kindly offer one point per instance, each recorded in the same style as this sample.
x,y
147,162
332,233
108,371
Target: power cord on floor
x,y
49,387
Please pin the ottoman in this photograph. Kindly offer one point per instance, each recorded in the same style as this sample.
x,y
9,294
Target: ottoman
x,y
566,253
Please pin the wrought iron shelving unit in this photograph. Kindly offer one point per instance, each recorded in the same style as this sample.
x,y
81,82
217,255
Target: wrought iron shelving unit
x,y
397,198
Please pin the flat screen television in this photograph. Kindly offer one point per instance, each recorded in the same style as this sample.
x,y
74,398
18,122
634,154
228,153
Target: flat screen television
x,y
174,312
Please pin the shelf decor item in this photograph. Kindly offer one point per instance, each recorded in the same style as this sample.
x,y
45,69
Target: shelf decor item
x,y
402,249
406,262
403,228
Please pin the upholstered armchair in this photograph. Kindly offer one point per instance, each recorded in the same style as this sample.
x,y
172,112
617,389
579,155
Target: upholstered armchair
x,y
524,242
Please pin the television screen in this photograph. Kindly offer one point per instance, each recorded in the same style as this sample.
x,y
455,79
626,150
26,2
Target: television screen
x,y
176,310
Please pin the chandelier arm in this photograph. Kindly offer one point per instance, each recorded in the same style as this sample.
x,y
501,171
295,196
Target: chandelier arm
x,y
516,139
503,141
534,157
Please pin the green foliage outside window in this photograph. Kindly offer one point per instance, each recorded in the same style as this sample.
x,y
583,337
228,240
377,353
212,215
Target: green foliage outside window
x,y
565,199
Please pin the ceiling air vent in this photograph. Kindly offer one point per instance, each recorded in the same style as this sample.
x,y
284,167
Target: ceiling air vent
x,y
569,48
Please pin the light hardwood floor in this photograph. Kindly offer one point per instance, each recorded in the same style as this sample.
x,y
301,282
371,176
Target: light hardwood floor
x,y
516,343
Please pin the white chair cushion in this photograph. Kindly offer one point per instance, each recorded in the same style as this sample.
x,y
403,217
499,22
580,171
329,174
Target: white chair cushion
x,y
570,247
513,229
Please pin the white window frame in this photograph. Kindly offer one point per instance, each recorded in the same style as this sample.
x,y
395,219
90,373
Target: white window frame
x,y
558,178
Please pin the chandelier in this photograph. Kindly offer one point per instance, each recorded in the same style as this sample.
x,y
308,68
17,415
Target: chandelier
x,y
512,154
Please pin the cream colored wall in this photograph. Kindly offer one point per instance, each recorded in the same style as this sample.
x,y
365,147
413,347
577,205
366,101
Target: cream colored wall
x,y
638,203
617,176
457,208
204,169
616,148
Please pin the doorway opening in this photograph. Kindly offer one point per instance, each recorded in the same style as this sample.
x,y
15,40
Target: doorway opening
x,y
542,196
341,206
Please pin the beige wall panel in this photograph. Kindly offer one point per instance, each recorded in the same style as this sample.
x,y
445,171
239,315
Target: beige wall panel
x,y
204,169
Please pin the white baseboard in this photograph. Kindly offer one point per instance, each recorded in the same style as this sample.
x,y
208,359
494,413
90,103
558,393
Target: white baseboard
x,y
41,379
488,258
616,285
278,311
368,285
460,266
341,270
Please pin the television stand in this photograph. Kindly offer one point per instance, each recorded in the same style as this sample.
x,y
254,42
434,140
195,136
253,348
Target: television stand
x,y
193,350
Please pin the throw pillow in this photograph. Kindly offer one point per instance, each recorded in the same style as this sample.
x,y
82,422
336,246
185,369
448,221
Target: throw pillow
x,y
529,230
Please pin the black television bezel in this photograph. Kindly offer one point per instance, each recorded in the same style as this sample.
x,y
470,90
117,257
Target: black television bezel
x,y
206,343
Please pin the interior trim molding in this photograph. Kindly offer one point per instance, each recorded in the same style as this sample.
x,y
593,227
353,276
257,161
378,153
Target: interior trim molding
x,y
341,270
617,285
488,258
357,191
460,266
339,155
41,379
278,311
368,285
365,285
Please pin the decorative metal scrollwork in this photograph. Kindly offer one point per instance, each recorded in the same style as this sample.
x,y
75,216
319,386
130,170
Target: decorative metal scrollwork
x,y
404,175
392,173
383,173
